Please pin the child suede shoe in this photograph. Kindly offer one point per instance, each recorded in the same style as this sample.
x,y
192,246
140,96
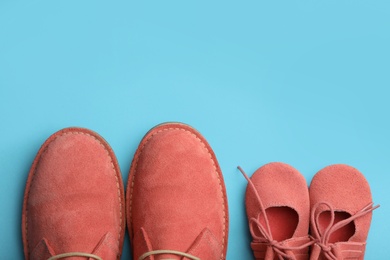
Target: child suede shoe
x,y
176,199
73,204
341,212
277,207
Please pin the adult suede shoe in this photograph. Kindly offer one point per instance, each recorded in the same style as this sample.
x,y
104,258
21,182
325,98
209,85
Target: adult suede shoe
x,y
277,207
74,201
341,212
176,199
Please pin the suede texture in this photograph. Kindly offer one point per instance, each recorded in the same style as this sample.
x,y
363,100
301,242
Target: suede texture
x,y
74,198
284,194
347,191
176,198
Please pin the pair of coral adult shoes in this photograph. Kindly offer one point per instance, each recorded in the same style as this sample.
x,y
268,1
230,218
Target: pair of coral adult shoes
x,y
280,208
175,206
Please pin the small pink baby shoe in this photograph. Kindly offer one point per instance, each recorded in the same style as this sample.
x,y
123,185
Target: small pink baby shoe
x,y
277,206
176,199
341,211
73,204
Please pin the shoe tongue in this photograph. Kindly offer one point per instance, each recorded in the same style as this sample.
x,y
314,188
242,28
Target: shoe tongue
x,y
205,246
106,248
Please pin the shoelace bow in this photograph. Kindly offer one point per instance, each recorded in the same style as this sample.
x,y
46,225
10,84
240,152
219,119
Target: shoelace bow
x,y
266,235
322,240
71,254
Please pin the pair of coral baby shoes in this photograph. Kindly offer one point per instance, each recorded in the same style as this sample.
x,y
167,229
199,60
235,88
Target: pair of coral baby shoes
x,y
175,206
280,208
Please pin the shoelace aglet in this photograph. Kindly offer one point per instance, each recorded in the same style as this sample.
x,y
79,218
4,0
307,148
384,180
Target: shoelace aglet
x,y
243,173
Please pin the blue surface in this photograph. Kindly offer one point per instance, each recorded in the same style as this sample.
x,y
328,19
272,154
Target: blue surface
x,y
303,82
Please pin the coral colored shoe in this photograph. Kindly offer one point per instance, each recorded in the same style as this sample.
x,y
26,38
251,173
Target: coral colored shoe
x,y
341,211
74,201
277,206
176,200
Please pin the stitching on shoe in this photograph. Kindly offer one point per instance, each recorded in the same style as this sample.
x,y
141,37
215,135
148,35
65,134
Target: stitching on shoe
x,y
215,170
112,165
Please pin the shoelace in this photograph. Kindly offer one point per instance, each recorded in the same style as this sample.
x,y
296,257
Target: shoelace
x,y
173,252
75,254
266,238
323,239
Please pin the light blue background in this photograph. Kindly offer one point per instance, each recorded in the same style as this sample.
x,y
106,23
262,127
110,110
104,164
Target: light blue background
x,y
302,82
